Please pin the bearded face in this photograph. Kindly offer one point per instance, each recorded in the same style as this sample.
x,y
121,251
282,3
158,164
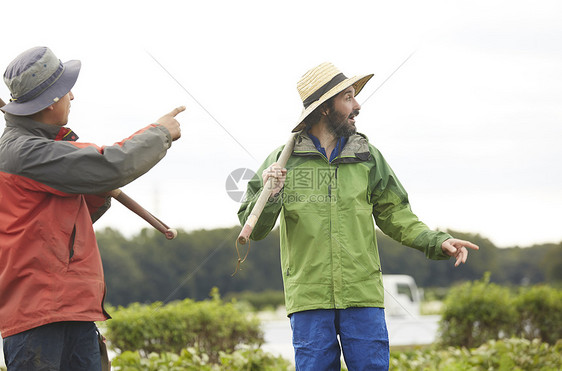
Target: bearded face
x,y
340,124
342,112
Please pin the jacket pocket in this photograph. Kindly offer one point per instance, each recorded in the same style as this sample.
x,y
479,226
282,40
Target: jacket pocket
x,y
71,244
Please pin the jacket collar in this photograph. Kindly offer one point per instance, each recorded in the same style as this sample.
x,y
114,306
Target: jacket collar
x,y
355,150
40,129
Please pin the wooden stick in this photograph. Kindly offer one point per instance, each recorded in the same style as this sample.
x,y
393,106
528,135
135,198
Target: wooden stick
x,y
265,193
132,205
2,104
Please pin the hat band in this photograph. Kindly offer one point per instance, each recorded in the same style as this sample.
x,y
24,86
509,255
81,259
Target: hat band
x,y
41,87
324,89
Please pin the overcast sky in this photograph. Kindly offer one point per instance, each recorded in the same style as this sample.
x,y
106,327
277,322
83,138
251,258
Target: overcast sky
x,y
471,123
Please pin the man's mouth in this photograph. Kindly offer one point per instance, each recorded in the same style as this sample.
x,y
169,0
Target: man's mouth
x,y
352,116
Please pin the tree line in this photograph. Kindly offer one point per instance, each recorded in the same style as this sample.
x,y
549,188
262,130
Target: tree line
x,y
147,267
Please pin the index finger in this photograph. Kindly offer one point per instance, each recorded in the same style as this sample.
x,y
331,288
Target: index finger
x,y
176,111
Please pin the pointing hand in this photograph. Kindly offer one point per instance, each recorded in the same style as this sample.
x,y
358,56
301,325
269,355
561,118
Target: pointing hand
x,y
457,249
169,122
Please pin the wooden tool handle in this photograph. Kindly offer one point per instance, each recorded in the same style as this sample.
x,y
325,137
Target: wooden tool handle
x,y
132,205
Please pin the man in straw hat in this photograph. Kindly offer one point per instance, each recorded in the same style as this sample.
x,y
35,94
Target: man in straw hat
x,y
334,185
52,189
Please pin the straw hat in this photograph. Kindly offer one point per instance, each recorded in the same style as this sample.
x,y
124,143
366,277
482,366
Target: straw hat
x,y
37,79
320,84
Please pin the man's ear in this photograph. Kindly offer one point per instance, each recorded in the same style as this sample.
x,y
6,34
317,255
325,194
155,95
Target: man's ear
x,y
327,107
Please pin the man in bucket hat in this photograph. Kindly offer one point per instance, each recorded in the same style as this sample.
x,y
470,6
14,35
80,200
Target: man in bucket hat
x,y
334,184
52,188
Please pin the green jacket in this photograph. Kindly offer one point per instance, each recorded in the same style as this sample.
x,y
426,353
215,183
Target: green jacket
x,y
329,254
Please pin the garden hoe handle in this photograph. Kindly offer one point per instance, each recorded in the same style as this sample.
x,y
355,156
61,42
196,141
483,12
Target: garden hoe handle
x,y
266,192
132,205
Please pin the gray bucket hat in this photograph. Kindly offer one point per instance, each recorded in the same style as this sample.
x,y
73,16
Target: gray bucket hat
x,y
38,79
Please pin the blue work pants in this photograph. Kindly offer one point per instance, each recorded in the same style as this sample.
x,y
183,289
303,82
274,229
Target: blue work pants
x,y
362,334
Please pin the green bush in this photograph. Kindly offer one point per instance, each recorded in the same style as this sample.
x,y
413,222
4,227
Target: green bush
x,y
476,312
210,326
508,354
190,359
540,313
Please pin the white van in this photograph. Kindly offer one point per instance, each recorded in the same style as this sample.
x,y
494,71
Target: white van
x,y
401,295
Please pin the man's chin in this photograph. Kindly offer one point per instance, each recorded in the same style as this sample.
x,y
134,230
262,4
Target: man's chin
x,y
345,128
346,131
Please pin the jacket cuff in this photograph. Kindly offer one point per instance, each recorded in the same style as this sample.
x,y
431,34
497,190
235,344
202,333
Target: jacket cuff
x,y
438,251
166,132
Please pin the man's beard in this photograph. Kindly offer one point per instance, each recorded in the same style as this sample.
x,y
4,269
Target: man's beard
x,y
338,124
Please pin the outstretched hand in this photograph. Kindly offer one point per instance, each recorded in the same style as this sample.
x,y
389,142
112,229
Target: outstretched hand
x,y
457,249
169,122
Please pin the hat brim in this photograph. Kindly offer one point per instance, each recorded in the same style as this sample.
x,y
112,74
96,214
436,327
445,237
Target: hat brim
x,y
358,82
58,90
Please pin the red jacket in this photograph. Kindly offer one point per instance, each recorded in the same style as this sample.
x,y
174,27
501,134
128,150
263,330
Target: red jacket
x,y
50,265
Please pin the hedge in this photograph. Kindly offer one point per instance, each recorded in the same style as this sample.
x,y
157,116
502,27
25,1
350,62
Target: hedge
x,y
508,354
190,359
210,326
476,312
